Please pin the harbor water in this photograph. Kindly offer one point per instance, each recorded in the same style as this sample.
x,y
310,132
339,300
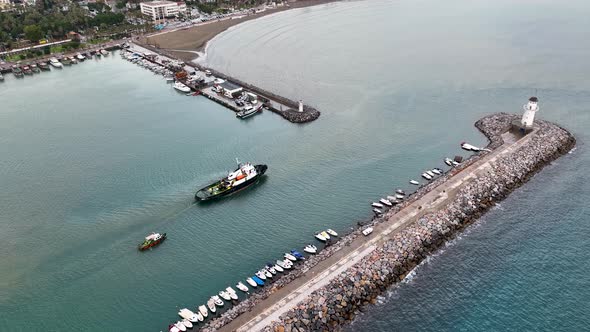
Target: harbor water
x,y
97,155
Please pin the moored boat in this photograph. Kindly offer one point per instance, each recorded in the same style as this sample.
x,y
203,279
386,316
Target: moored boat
x,y
1,77
240,285
258,281
74,60
55,63
152,240
385,202
377,211
211,305
331,232
43,66
180,326
203,311
260,275
325,234
249,111
310,249
104,52
251,282
217,301
17,71
414,182
271,268
401,192
27,70
187,323
35,68
189,315
449,161
66,62
367,231
297,254
244,176
426,176
283,264
398,196
173,328
232,293
320,237
80,57
392,199
181,87
431,173
290,257
277,268
225,295
377,205
266,273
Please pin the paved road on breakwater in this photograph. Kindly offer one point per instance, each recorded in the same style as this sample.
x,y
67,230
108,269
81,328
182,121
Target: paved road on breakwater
x,y
289,296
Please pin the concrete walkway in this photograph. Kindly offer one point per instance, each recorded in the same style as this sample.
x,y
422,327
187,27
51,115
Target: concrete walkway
x,y
323,273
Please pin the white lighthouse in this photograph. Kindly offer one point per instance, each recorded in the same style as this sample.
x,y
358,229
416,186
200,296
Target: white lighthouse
x,y
530,109
300,106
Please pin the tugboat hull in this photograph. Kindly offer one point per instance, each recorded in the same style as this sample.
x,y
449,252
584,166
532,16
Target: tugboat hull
x,y
208,193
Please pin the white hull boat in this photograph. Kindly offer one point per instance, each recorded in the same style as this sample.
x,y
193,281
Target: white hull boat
x,y
426,176
401,192
203,311
377,205
414,182
320,237
55,63
80,57
310,249
377,211
367,231
271,269
260,275
251,282
431,173
211,305
104,52
242,287
225,295
290,257
325,234
469,147
180,326
448,161
398,196
385,202
278,268
436,171
187,323
232,293
188,315
392,199
331,232
173,328
181,87
285,264
217,301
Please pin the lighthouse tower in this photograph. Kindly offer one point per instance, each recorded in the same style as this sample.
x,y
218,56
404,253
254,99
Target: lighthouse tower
x,y
300,106
530,109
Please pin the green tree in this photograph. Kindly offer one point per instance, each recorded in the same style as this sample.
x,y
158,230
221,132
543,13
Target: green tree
x,y
33,32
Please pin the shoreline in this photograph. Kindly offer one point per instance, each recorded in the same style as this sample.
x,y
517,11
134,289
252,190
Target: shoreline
x,y
185,43
327,290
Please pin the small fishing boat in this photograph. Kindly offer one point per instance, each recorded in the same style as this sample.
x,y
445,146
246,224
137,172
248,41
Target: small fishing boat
x,y
431,173
297,254
377,205
278,268
217,301
426,176
232,293
242,287
392,199
290,257
27,70
251,282
367,231
271,268
266,273
414,182
188,315
455,163
260,275
385,202
173,328
80,57
401,192
43,66
320,237
203,311
331,232
55,63
310,249
436,171
449,161
326,235
35,68
17,71
283,264
469,147
66,62
74,60
104,52
152,240
180,326
258,281
398,196
187,323
225,295
377,211
211,305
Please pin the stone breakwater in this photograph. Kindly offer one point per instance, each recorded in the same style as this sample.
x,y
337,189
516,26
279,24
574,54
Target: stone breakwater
x,y
336,304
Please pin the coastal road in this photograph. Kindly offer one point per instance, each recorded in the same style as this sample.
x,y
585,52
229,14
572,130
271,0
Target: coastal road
x,y
288,297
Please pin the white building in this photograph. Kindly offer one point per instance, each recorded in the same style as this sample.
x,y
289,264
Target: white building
x,y
158,10
530,109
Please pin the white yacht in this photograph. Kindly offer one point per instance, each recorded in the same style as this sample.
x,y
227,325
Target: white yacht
x,y
55,63
181,87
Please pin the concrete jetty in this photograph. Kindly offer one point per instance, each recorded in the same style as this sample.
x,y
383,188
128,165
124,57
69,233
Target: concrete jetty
x,y
328,289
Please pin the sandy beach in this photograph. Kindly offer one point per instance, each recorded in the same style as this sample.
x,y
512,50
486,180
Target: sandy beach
x,y
194,39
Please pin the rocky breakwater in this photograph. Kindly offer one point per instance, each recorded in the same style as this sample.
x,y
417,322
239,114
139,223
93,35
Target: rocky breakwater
x,y
336,304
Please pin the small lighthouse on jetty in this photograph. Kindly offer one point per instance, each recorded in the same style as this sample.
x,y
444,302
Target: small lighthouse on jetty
x,y
300,106
525,125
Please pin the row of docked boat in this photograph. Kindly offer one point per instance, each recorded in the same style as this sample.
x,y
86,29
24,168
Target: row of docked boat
x,y
259,279
388,201
158,69
37,67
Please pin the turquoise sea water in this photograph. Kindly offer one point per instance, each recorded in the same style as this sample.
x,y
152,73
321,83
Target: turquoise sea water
x,y
96,155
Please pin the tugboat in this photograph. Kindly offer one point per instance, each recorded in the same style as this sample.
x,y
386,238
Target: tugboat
x,y
244,176
152,240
